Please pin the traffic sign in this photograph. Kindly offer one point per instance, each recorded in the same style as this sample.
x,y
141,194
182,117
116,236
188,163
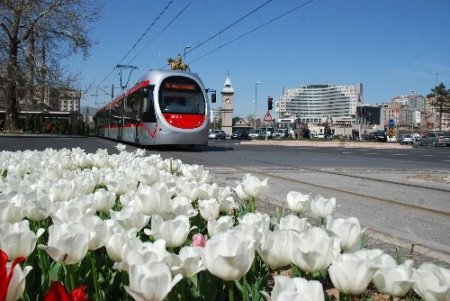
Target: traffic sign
x,y
391,123
268,117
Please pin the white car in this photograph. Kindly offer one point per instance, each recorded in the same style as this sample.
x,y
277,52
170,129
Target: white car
x,y
406,139
255,134
391,138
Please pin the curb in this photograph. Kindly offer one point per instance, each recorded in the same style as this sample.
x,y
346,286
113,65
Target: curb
x,y
344,144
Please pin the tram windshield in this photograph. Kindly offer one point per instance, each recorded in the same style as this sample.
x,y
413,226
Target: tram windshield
x,y
181,95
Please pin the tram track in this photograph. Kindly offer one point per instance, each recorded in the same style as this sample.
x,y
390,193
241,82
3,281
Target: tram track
x,y
394,221
296,181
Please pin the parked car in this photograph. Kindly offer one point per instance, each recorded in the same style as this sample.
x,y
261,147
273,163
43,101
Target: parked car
x,y
217,134
240,135
405,139
379,136
255,134
319,136
435,138
280,133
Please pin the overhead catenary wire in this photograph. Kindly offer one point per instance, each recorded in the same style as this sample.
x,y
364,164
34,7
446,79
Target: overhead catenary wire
x,y
226,28
252,30
139,40
229,26
163,30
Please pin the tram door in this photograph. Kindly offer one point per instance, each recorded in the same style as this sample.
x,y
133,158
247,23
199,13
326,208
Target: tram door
x,y
121,120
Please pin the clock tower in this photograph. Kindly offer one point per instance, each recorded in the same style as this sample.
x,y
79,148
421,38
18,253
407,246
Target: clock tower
x,y
227,107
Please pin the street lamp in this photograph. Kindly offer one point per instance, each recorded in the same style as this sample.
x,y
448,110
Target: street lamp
x,y
256,100
184,52
412,114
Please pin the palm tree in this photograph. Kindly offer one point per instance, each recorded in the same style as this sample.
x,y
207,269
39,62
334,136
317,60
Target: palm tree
x,y
440,98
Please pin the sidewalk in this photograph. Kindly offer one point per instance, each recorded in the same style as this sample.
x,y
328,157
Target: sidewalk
x,y
344,144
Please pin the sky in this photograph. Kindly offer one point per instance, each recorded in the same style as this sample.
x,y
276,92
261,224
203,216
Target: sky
x,y
392,47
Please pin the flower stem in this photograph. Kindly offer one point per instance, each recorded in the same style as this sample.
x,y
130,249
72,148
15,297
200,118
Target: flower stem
x,y
294,271
245,288
230,291
344,297
72,276
97,293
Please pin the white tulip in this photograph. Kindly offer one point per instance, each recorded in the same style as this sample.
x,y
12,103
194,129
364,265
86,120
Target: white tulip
x,y
97,230
298,202
67,243
151,282
226,200
220,225
229,255
116,243
350,274
67,213
181,205
322,207
259,223
189,189
347,230
10,212
195,172
314,250
252,186
119,183
104,199
396,280
173,166
150,175
293,222
139,152
61,191
136,252
129,218
153,199
433,282
374,256
188,262
208,191
17,240
260,220
121,147
276,248
209,209
38,206
174,232
299,289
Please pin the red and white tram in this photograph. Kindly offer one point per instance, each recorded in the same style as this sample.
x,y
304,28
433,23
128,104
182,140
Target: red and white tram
x,y
166,107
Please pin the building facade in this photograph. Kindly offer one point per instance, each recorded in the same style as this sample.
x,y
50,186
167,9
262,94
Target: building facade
x,y
69,100
317,103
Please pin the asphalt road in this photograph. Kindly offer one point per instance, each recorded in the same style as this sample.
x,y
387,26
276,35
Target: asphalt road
x,y
402,195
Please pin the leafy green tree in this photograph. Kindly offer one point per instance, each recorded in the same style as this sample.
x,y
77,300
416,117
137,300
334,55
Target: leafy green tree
x,y
440,98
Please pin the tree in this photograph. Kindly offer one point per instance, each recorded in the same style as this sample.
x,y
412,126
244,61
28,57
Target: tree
x,y
35,34
440,98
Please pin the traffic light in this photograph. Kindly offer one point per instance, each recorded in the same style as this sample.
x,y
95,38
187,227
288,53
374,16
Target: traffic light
x,y
269,103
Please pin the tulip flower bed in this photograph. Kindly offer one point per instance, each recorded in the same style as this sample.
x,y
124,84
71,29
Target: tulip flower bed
x,y
131,226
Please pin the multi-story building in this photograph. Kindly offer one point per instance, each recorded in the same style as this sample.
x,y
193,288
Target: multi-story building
x,y
319,103
69,100
390,111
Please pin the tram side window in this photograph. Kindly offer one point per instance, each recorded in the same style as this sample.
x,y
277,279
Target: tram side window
x,y
148,105
116,113
132,106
